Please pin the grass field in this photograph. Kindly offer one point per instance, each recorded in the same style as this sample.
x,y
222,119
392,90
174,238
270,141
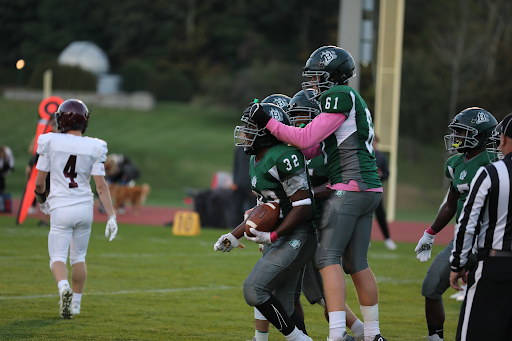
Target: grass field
x,y
151,285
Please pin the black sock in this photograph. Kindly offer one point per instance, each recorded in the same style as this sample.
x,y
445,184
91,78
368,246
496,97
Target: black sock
x,y
299,321
436,330
274,312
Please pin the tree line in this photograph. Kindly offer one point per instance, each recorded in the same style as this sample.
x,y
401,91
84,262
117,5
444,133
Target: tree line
x,y
456,53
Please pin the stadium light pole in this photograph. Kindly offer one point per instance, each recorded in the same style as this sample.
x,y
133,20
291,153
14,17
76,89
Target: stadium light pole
x,y
349,33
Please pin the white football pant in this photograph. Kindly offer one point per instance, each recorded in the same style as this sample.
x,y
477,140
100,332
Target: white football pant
x,y
70,231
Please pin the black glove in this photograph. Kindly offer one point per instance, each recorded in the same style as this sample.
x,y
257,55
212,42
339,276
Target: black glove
x,y
258,115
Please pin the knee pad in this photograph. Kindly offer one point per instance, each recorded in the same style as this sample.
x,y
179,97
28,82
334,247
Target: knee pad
x,y
251,295
351,267
57,259
77,259
431,287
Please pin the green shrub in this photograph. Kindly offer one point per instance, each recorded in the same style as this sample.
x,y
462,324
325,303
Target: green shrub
x,y
257,81
135,75
171,85
64,77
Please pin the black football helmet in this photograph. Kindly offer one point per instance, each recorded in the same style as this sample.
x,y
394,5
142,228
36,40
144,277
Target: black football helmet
x,y
331,65
278,99
302,110
72,114
253,138
494,146
471,128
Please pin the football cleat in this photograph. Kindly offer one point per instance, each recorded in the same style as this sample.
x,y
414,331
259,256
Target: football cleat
x,y
434,337
66,295
347,337
75,308
379,338
390,244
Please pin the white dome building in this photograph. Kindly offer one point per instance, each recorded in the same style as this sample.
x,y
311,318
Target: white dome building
x,y
92,58
86,55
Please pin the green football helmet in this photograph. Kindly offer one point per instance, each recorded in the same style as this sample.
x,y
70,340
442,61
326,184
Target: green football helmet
x,y
253,138
301,110
471,128
331,65
278,99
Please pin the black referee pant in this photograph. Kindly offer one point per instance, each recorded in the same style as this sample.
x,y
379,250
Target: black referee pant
x,y
486,312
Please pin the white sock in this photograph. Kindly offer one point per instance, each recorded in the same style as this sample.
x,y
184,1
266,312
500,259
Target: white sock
x,y
337,325
260,336
295,335
63,284
357,328
76,297
371,321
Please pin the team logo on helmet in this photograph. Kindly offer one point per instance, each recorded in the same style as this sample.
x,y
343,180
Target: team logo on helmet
x,y
276,114
480,117
254,181
280,102
327,56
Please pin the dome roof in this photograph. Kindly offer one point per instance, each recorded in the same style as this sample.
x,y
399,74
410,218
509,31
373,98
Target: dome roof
x,y
86,55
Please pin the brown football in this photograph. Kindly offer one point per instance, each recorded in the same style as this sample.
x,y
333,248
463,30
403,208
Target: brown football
x,y
263,218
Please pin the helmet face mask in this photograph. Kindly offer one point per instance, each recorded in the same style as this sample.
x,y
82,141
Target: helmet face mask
x,y
302,110
72,114
471,129
328,66
253,138
493,147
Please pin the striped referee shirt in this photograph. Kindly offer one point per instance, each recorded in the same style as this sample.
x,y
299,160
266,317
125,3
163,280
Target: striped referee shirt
x,y
485,216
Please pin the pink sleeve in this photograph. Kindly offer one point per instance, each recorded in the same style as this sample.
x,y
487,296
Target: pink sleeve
x,y
304,138
312,152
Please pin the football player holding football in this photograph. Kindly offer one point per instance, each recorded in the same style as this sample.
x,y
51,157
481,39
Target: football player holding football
x,y
343,134
71,159
471,131
278,174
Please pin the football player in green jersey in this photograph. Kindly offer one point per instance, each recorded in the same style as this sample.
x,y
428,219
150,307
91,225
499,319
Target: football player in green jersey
x,y
343,134
471,131
278,174
302,111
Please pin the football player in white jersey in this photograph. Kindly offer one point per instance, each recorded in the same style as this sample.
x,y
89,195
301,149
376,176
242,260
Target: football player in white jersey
x,y
71,159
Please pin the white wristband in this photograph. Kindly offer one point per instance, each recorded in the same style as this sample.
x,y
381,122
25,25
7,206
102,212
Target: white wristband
x,y
302,202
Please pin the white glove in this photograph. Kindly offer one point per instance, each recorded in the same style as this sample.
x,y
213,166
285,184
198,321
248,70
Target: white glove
x,y
259,236
45,208
424,247
111,227
226,243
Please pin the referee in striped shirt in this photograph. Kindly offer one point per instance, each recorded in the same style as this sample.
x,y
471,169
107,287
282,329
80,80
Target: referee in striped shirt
x,y
486,313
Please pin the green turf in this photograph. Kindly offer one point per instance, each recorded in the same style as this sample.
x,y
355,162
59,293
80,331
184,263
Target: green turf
x,y
150,285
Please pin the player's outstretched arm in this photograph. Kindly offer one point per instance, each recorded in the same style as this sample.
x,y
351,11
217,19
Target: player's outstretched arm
x,y
445,214
104,194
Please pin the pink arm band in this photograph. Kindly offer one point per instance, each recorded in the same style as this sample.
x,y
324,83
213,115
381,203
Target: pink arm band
x,y
315,132
273,236
430,231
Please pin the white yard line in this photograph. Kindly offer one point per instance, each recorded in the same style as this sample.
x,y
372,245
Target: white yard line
x,y
123,292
